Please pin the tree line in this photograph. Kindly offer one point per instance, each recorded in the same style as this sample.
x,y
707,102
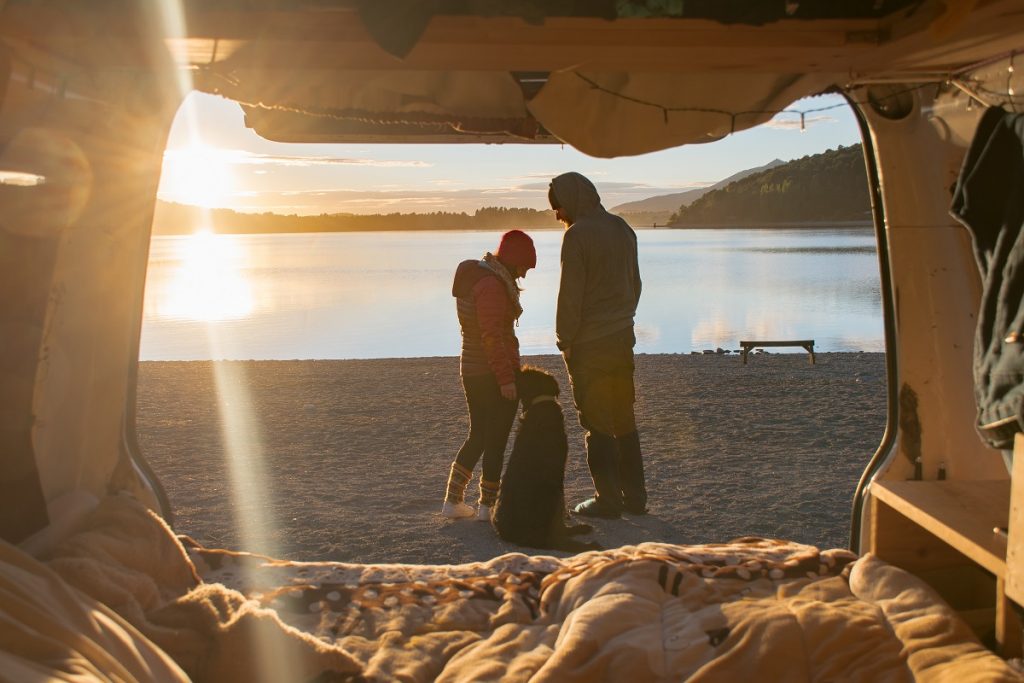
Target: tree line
x,y
175,219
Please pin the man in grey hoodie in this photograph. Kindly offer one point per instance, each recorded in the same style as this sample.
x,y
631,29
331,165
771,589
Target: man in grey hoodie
x,y
597,299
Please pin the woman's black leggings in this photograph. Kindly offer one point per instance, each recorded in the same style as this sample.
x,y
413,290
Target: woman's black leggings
x,y
490,421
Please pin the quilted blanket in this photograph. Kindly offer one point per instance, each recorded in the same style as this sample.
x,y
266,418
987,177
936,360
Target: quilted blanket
x,y
753,609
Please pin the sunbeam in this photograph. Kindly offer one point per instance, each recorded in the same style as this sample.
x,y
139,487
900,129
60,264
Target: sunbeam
x,y
241,433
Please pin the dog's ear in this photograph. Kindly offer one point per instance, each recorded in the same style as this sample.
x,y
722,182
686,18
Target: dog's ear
x,y
527,385
532,382
551,385
523,384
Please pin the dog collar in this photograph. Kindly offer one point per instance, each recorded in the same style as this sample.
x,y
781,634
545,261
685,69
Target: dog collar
x,y
543,398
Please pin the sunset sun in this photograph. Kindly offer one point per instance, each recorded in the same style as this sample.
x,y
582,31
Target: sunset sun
x,y
199,175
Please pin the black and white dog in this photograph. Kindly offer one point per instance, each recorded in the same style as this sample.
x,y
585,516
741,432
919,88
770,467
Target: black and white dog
x,y
531,499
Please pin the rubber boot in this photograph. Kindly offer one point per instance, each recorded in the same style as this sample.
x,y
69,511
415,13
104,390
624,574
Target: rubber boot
x,y
602,458
631,474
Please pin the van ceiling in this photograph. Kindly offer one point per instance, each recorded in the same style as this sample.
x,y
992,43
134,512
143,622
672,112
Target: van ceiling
x,y
610,77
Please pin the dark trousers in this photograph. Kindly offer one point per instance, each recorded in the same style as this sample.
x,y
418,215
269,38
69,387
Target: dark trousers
x,y
490,421
601,373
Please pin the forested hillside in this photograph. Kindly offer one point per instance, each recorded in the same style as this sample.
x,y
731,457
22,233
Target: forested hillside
x,y
824,188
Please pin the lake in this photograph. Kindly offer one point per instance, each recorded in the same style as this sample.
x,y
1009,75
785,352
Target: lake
x,y
388,294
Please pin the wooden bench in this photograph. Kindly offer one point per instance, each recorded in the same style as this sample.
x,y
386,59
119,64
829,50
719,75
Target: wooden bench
x,y
807,344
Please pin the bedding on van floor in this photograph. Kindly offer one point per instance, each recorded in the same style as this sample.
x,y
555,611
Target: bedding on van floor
x,y
125,598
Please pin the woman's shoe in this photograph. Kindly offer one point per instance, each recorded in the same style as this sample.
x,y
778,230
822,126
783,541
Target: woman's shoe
x,y
593,507
456,510
483,513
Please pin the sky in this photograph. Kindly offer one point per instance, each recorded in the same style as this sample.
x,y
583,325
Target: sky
x,y
213,160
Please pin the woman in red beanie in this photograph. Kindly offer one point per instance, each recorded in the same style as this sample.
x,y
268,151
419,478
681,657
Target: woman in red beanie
x,y
487,296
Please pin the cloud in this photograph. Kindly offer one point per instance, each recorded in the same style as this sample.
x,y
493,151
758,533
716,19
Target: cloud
x,y
283,160
789,121
615,186
434,197
239,157
539,175
546,176
316,201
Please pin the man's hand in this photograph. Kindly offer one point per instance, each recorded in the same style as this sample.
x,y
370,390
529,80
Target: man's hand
x,y
508,391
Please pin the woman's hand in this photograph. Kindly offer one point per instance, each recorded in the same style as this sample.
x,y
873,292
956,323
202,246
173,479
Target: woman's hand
x,y
508,391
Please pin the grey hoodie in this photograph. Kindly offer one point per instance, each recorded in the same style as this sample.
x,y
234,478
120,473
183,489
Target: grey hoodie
x,y
600,284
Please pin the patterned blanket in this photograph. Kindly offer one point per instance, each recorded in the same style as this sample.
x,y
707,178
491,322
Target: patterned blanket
x,y
754,609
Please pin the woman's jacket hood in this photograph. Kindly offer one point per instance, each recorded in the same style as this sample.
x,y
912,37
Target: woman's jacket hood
x,y
576,194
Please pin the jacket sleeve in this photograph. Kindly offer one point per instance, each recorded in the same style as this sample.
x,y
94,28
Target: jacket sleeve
x,y
569,312
979,199
491,302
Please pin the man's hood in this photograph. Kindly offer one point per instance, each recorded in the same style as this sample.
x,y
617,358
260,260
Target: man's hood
x,y
576,194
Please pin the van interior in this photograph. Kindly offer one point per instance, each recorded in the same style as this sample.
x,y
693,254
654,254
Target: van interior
x,y
96,584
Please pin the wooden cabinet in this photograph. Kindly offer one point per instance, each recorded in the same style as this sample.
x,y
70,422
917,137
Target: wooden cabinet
x,y
953,535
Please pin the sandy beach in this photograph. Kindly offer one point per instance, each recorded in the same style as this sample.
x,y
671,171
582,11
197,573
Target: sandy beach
x,y
347,460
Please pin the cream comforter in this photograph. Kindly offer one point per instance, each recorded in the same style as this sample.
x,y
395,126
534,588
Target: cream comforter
x,y
125,599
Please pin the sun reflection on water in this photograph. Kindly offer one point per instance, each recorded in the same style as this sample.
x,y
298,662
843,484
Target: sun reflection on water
x,y
209,284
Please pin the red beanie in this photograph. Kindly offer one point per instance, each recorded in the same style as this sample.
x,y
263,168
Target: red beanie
x,y
516,249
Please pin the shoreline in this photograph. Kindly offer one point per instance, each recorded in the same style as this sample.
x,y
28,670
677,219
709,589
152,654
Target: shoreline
x,y
783,225
796,225
347,460
734,353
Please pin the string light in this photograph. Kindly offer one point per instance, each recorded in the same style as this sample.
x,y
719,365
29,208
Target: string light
x,y
1009,77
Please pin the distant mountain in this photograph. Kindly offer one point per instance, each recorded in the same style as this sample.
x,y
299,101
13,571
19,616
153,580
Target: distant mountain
x,y
826,188
671,202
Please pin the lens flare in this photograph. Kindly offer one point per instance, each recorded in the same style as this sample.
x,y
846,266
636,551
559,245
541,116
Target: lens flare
x,y
242,439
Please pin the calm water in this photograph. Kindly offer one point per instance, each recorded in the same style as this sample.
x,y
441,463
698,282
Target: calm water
x,y
386,295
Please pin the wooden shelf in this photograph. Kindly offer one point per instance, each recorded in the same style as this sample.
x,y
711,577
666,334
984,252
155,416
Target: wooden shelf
x,y
962,514
943,532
